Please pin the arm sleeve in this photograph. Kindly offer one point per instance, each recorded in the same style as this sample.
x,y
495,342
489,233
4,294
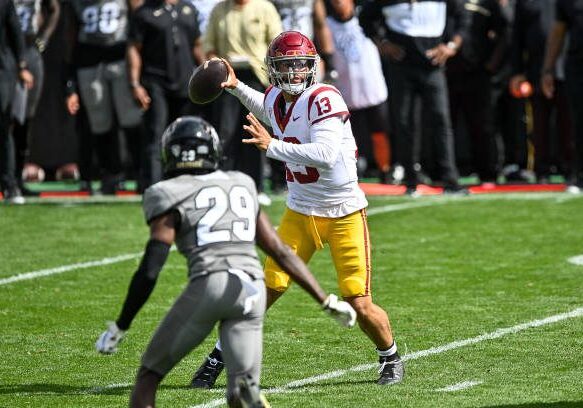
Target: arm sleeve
x,y
209,38
252,100
322,152
136,32
14,32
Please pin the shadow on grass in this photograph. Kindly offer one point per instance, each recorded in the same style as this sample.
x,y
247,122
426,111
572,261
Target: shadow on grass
x,y
65,389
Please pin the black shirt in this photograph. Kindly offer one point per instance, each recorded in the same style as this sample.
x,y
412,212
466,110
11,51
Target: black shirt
x,y
571,13
485,28
98,30
167,34
531,28
11,39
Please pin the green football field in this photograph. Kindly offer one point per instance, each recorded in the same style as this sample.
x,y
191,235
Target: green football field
x,y
485,295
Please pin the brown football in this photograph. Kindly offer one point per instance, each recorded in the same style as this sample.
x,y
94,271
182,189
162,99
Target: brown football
x,y
205,82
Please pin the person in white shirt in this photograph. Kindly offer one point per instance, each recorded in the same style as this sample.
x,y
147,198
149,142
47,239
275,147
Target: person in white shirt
x,y
362,83
325,204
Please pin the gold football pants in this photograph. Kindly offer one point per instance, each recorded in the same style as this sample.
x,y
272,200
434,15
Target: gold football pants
x,y
349,242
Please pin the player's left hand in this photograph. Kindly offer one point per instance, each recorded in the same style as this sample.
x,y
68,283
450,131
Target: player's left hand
x,y
260,137
340,310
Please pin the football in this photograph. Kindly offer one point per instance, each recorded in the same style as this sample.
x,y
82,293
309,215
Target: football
x,y
67,172
33,173
205,82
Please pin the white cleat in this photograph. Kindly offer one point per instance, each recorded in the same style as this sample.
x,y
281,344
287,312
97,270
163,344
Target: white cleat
x,y
109,339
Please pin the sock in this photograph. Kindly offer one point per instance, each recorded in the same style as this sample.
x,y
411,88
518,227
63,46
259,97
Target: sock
x,y
381,150
216,353
388,353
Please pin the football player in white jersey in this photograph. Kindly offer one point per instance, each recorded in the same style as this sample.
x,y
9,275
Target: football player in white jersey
x,y
325,204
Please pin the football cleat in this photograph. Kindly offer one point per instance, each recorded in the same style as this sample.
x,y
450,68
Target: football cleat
x,y
207,374
392,370
109,339
250,396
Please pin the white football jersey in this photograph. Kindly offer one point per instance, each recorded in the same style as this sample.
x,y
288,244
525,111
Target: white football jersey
x,y
360,74
314,139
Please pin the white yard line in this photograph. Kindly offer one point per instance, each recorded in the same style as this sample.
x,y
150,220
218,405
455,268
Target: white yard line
x,y
415,355
576,260
418,203
125,257
459,386
99,390
67,268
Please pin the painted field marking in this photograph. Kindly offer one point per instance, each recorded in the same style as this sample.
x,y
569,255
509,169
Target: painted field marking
x,y
460,386
415,355
422,202
576,260
101,389
107,261
67,268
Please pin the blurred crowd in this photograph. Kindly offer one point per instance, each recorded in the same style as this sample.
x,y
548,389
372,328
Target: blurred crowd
x,y
437,89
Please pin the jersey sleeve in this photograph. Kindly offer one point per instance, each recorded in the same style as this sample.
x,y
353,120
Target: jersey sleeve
x,y
136,31
157,201
326,102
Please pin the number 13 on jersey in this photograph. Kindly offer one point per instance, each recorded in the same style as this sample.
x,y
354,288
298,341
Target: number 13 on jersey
x,y
300,174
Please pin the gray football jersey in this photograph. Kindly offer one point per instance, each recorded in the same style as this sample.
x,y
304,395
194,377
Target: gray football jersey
x,y
28,13
218,215
101,22
296,15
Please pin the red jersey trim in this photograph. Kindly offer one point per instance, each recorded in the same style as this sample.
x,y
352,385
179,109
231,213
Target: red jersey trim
x,y
269,88
366,240
282,121
343,115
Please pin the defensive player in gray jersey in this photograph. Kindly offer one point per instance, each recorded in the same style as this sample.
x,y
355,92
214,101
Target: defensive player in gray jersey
x,y
215,220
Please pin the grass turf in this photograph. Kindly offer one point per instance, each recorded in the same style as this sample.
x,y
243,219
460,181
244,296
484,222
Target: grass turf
x,y
450,270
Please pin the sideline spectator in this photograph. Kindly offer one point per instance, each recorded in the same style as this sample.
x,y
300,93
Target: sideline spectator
x,y
13,68
240,31
469,75
509,112
411,35
164,47
37,27
532,25
568,21
97,89
362,83
309,18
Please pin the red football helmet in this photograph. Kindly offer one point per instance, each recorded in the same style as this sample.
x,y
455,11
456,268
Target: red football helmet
x,y
292,61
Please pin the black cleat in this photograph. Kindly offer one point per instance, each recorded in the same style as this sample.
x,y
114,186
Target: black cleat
x,y
207,374
392,370
250,396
